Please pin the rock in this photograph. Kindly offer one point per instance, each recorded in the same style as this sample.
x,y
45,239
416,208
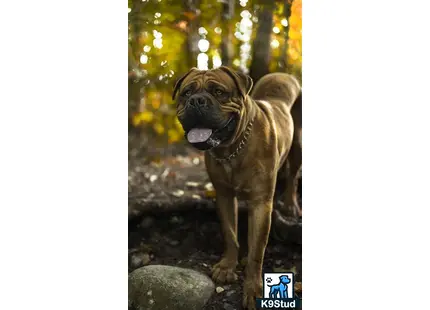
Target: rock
x,y
219,289
145,259
176,220
147,222
140,259
170,287
227,306
229,293
174,242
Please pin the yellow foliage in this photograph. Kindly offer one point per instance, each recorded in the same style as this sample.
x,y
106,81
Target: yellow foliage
x,y
295,35
142,117
177,124
155,103
169,60
174,135
159,128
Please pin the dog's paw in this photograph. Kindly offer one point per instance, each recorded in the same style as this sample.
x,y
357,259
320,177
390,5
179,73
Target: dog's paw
x,y
223,272
251,290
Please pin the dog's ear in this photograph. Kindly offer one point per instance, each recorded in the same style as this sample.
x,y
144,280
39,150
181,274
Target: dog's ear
x,y
243,81
179,82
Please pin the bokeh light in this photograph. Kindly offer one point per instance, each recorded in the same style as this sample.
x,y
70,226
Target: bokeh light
x,y
202,61
243,2
274,43
284,22
203,45
144,59
203,31
165,40
216,60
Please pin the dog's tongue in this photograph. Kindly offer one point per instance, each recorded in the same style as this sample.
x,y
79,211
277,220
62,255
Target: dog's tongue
x,y
197,135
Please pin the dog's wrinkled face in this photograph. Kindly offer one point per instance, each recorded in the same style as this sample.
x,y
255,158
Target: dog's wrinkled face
x,y
209,105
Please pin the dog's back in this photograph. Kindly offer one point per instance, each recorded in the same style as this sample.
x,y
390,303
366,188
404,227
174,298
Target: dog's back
x,y
281,88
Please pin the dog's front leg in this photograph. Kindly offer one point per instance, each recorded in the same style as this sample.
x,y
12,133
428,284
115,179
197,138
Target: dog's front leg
x,y
224,271
259,218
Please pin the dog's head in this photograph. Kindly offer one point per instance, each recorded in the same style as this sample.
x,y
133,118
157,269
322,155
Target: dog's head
x,y
210,104
284,279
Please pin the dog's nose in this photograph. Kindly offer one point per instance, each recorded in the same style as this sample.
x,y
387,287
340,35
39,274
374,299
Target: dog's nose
x,y
198,102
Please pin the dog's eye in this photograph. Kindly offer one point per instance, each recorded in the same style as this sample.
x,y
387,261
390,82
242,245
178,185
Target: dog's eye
x,y
219,92
187,93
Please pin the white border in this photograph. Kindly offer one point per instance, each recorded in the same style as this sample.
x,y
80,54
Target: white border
x,y
366,155
63,169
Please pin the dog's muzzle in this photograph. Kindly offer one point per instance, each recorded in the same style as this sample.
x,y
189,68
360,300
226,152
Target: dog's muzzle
x,y
199,103
206,138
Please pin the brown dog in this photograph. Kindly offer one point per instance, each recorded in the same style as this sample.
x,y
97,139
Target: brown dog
x,y
247,140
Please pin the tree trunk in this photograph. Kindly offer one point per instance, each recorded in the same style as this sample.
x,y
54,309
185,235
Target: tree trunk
x,y
193,32
227,49
261,47
283,58
134,83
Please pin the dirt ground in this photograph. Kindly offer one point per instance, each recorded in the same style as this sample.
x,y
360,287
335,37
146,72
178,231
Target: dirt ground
x,y
193,240
172,220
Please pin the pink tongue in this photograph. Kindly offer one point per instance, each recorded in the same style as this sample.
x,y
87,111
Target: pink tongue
x,y
197,135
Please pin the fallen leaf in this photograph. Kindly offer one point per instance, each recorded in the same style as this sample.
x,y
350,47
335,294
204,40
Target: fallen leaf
x,y
209,186
153,178
210,193
192,184
178,193
165,173
219,289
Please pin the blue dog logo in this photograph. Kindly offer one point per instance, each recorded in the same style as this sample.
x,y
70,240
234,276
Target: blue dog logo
x,y
280,289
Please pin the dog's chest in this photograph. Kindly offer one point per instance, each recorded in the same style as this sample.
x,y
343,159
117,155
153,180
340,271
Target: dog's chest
x,y
236,179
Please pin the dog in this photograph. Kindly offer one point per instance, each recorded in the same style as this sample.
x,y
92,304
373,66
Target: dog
x,y
249,139
280,289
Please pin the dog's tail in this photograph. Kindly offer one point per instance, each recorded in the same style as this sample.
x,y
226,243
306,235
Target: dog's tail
x,y
278,86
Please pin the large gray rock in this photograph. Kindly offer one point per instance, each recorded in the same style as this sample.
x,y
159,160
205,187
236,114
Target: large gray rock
x,y
158,287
